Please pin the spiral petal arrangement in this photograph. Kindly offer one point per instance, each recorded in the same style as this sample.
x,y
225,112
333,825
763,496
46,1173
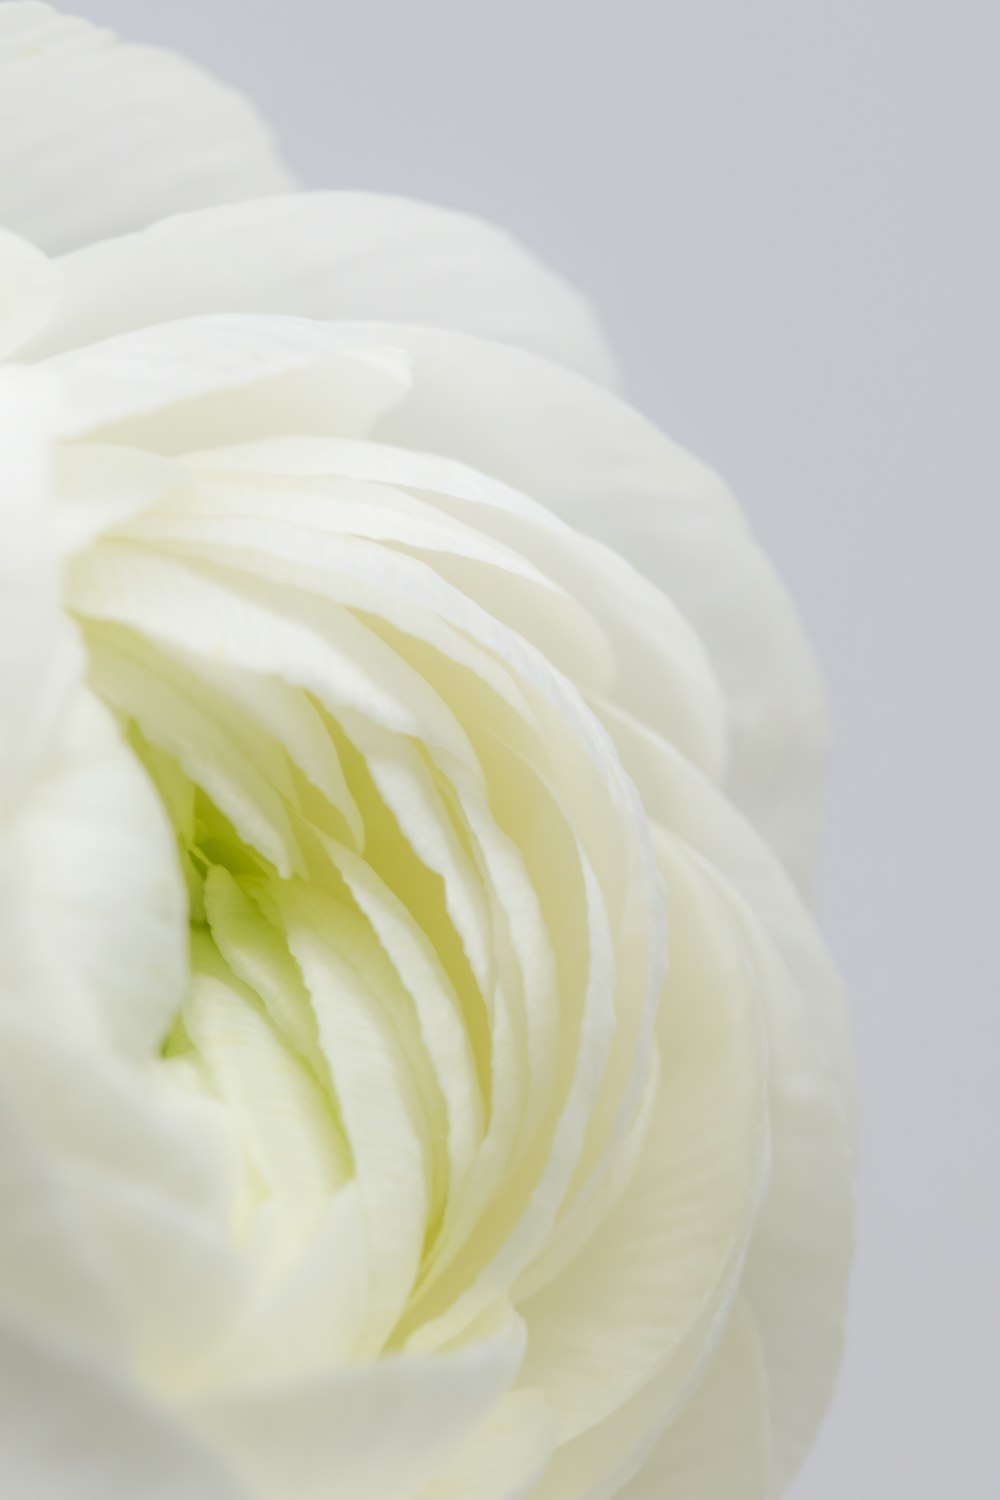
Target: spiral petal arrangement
x,y
420,1078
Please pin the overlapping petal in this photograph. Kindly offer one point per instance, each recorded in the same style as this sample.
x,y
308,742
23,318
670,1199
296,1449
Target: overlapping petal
x,y
343,256
357,1135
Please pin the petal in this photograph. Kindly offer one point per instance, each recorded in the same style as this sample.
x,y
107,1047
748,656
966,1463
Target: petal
x,y
38,664
473,516
50,1267
607,471
70,1425
648,1288
98,138
204,381
716,1448
331,256
99,902
97,487
677,796
92,904
504,1457
796,1276
28,292
372,1431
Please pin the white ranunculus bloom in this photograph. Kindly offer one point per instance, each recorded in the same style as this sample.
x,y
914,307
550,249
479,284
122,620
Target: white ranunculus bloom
x,y
419,1076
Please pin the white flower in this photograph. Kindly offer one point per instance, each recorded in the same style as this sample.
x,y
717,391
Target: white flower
x,y
419,1076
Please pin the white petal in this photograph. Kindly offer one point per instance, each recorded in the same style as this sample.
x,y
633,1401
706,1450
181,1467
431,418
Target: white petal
x,y
38,663
177,1273
652,641
690,805
28,292
310,1316
205,381
96,487
376,1093
71,1426
219,750
649,1287
607,471
51,1268
92,904
97,138
294,1140
716,1447
373,1431
98,900
719,1446
330,256
797,1270
504,1457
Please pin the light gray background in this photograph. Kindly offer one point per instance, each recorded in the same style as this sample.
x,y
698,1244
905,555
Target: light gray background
x,y
786,213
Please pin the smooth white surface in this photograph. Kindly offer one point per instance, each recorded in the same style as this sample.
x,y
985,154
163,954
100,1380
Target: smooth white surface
x,y
786,215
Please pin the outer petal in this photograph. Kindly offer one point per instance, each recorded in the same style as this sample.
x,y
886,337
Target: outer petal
x,y
50,1268
608,471
33,671
716,1448
653,1283
677,796
70,1426
28,284
504,1457
553,436
204,381
91,902
373,1431
796,1276
97,138
719,1447
97,895
326,255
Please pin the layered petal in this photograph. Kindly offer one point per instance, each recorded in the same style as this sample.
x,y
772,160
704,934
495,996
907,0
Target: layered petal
x,y
332,256
418,1079
604,469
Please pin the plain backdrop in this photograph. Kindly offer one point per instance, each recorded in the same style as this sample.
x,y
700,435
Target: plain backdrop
x,y
786,214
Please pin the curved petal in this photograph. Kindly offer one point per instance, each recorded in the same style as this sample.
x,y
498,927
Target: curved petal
x,y
51,1269
99,137
797,1270
648,1288
36,663
680,798
504,1457
99,902
329,256
202,381
608,471
28,291
70,1425
373,1431
713,1444
718,1448
92,902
